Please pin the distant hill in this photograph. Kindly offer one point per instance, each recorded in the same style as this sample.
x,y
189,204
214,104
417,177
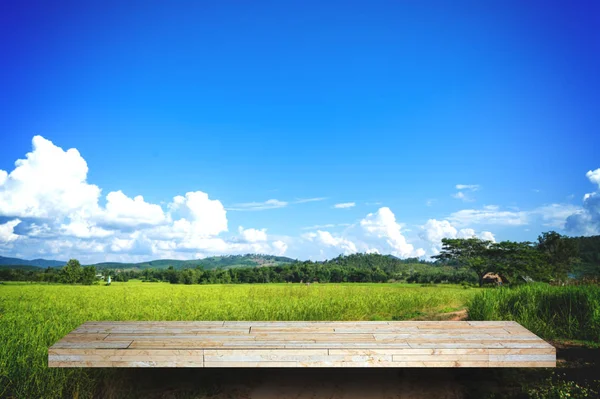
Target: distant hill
x,y
43,263
214,262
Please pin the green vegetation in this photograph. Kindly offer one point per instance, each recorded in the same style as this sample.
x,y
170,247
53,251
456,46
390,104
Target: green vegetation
x,y
35,316
564,389
589,255
357,268
569,312
550,259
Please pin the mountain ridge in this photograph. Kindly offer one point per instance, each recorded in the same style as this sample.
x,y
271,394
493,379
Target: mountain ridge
x,y
213,262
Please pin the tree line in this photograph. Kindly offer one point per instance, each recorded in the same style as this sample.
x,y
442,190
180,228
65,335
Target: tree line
x,y
71,273
461,260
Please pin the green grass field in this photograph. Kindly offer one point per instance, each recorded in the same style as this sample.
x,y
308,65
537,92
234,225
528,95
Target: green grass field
x,y
35,316
566,313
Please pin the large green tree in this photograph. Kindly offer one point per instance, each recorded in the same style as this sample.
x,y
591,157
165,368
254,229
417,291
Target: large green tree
x,y
71,272
473,253
88,275
513,259
560,253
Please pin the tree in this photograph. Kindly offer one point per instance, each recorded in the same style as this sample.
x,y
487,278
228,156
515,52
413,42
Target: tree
x,y
513,259
559,252
472,253
71,272
88,275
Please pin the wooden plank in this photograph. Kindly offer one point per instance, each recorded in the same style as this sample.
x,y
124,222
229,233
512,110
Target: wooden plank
x,y
125,364
301,344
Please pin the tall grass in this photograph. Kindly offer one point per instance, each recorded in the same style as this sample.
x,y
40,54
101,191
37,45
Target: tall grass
x,y
33,317
570,312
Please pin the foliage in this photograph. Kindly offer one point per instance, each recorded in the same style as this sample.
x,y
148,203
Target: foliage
x,y
71,273
564,389
589,255
88,275
560,254
551,258
34,316
569,312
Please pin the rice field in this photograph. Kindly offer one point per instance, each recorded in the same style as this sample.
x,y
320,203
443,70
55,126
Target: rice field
x,y
35,316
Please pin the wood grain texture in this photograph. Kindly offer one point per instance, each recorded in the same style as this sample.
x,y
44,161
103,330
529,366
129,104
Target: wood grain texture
x,y
301,344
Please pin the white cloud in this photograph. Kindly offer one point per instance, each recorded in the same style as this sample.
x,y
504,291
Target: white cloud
x,y
319,226
594,176
304,200
550,215
3,177
253,235
259,206
462,196
125,211
62,216
48,183
586,220
555,215
325,226
326,238
7,231
197,215
280,247
345,205
270,204
82,228
434,230
488,236
472,187
489,215
382,225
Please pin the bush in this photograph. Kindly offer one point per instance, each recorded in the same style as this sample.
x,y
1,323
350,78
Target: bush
x,y
569,312
562,389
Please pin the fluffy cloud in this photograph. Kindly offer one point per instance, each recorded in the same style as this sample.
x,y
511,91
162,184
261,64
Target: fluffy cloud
x,y
48,183
345,205
594,176
434,230
48,197
488,236
82,228
382,224
197,215
253,235
344,245
279,247
377,232
124,211
586,221
7,231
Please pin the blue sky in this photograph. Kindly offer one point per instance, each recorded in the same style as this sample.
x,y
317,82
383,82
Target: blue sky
x,y
387,105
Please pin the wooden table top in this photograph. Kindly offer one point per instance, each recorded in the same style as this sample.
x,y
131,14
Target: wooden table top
x,y
301,344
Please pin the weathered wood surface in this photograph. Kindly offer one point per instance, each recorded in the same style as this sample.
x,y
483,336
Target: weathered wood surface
x,y
301,344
